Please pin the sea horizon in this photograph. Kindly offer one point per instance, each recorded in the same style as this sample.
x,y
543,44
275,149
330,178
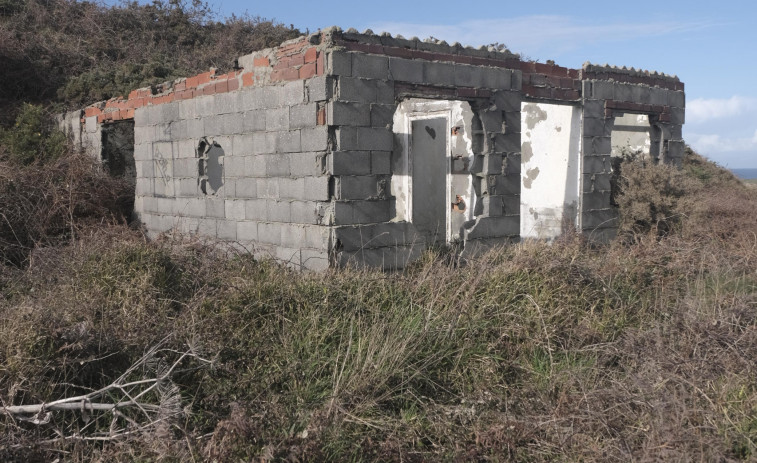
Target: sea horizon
x,y
746,173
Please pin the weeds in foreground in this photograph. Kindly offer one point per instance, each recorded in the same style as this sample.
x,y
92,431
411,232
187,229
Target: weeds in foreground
x,y
534,352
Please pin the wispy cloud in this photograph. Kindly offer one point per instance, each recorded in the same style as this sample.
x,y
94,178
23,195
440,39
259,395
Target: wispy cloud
x,y
705,109
538,34
721,144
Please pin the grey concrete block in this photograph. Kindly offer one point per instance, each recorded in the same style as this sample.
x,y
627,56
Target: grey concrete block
x,y
594,146
507,101
268,188
276,165
494,227
247,231
277,119
378,139
360,212
293,93
491,121
232,124
144,187
235,209
355,89
370,66
597,164
676,99
346,138
317,237
596,182
315,139
278,211
241,146
141,119
226,229
596,127
318,89
512,122
304,164
215,207
314,260
469,76
246,188
506,143
233,166
144,169
600,218
316,188
206,105
264,142
293,236
213,125
349,163
187,187
304,212
597,200
339,63
195,128
292,188
677,116
382,115
406,70
288,142
256,209
301,116
187,109
385,92
351,114
253,121
227,103
439,73
606,91
381,162
512,164
498,78
269,232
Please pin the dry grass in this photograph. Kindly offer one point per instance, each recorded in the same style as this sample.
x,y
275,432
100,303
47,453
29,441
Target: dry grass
x,y
536,352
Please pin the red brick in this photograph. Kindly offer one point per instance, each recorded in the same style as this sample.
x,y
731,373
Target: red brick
x,y
203,78
276,75
290,74
193,82
100,118
297,60
608,113
478,61
261,62
398,52
114,116
181,86
483,93
355,46
233,84
91,111
209,89
310,55
465,92
321,117
222,86
573,73
307,71
283,63
247,79
664,117
462,59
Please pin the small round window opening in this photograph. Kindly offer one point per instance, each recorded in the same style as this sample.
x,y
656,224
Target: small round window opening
x,y
209,166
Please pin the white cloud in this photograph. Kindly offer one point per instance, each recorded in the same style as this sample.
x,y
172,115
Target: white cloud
x,y
713,143
538,34
704,109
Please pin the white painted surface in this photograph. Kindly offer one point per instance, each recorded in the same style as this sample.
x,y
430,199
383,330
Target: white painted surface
x,y
631,132
458,157
550,169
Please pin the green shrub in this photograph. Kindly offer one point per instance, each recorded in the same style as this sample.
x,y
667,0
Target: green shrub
x,y
33,137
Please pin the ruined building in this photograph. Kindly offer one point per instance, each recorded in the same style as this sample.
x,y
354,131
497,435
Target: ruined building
x,y
341,147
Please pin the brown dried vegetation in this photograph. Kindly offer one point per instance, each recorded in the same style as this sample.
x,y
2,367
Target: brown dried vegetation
x,y
643,350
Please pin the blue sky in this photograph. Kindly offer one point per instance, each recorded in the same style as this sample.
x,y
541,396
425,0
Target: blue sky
x,y
711,46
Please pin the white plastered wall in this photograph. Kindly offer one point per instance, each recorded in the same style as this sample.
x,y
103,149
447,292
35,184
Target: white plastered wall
x,y
550,169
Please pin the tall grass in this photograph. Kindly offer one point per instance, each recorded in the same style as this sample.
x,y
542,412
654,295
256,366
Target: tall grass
x,y
643,350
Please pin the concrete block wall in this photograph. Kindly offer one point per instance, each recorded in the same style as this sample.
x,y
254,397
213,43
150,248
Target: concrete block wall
x,y
607,91
307,143
368,81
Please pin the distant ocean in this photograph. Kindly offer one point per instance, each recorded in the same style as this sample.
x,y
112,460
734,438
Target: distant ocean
x,y
745,174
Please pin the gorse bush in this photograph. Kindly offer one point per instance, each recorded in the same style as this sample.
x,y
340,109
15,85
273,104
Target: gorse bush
x,y
32,138
78,52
